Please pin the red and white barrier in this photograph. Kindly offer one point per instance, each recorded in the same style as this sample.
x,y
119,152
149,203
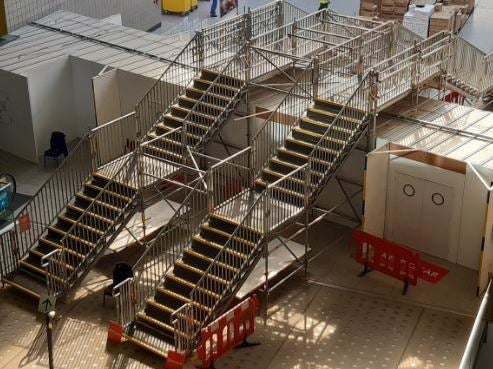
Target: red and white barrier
x,y
395,260
228,331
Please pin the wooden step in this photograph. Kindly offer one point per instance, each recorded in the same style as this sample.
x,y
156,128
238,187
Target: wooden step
x,y
60,247
106,191
116,183
183,299
76,209
194,90
191,285
39,254
193,101
98,202
80,224
332,115
226,235
144,345
224,218
209,260
156,322
187,111
217,74
164,127
71,236
38,270
218,247
263,184
192,269
217,84
334,104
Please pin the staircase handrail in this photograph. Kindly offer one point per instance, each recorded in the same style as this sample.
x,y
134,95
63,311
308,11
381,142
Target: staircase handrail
x,y
54,280
60,187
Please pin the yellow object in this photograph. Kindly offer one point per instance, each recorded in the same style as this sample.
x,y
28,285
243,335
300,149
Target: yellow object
x,y
3,19
177,6
195,4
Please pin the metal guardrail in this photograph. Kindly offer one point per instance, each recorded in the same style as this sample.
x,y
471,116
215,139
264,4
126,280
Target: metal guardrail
x,y
59,278
96,148
478,331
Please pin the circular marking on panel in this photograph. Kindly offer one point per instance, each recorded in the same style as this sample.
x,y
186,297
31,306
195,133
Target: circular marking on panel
x,y
409,190
437,199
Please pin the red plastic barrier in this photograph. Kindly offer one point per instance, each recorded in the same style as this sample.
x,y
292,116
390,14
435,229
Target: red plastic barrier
x,y
175,360
115,332
387,257
395,260
228,331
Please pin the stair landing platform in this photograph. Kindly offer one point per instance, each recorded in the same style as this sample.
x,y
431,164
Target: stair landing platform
x,y
237,208
158,168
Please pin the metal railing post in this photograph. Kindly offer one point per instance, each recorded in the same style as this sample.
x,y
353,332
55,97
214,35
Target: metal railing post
x,y
139,156
294,39
93,151
316,77
280,13
210,189
248,26
373,108
308,176
200,49
266,225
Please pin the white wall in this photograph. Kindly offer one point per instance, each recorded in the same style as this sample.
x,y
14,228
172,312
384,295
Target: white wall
x,y
132,88
107,96
16,132
52,102
472,222
82,73
377,168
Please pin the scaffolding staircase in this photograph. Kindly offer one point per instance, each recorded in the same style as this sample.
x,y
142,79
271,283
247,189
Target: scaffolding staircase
x,y
199,113
219,256
73,240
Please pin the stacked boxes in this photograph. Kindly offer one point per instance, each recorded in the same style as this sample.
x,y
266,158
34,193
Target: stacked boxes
x,y
449,18
417,19
369,8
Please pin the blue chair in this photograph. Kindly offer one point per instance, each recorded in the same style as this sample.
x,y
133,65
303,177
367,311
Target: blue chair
x,y
58,147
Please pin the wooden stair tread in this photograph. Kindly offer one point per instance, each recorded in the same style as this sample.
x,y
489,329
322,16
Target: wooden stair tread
x,y
77,209
226,234
209,259
109,192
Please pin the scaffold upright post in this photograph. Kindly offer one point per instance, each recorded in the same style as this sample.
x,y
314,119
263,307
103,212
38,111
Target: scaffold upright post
x,y
316,77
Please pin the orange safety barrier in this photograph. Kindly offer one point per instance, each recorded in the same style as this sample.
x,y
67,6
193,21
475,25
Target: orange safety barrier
x,y
228,331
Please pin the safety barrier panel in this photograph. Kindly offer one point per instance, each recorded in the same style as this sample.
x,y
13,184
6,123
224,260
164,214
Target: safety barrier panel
x,y
228,331
394,260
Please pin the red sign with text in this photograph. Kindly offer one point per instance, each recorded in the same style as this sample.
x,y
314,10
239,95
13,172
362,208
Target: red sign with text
x,y
394,260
